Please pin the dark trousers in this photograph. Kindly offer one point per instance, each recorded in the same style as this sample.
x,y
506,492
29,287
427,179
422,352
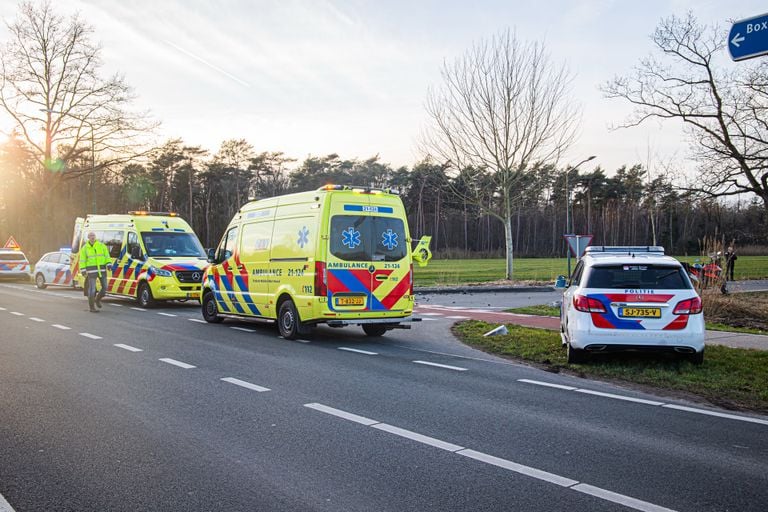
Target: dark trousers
x,y
90,287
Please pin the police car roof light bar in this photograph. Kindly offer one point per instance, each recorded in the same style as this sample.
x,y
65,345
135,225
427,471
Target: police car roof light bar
x,y
625,249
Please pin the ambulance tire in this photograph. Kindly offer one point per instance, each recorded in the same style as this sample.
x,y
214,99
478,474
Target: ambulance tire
x,y
288,322
40,281
210,310
144,296
374,330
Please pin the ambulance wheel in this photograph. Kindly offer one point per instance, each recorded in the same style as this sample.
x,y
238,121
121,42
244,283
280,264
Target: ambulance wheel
x,y
210,310
144,296
374,330
288,321
40,281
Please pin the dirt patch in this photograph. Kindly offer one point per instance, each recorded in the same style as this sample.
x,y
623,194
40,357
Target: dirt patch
x,y
738,310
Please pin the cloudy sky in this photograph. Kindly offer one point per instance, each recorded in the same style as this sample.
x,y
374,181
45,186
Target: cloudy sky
x,y
351,76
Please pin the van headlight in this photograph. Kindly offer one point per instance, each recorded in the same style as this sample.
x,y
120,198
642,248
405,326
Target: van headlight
x,y
160,272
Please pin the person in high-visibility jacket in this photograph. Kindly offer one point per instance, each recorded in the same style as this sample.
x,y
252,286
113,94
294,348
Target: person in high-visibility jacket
x,y
94,258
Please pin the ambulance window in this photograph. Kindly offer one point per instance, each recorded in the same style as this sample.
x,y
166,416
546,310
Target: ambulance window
x,y
255,242
389,237
113,240
368,238
227,246
133,241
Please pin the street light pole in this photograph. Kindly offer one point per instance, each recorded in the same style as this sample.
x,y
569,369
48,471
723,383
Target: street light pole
x,y
568,206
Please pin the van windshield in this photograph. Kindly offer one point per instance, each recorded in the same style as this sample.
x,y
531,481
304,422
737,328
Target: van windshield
x,y
659,277
368,238
172,245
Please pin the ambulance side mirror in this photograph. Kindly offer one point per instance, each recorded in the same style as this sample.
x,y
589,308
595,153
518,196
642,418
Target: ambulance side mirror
x,y
421,253
211,255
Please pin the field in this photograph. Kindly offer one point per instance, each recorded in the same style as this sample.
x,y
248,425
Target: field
x,y
541,270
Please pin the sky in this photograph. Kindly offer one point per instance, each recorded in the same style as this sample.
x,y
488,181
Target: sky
x,y
314,77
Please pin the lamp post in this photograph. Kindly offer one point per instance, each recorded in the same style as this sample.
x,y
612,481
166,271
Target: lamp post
x,y
568,206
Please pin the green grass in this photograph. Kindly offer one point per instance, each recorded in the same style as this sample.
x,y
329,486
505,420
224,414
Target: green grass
x,y
714,326
545,270
540,310
729,377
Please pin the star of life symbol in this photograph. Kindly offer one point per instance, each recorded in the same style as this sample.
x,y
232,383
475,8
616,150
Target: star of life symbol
x,y
350,238
389,239
303,237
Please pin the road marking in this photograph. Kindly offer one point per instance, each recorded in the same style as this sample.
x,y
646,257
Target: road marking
x,y
244,329
358,351
177,363
431,441
718,414
242,383
342,414
429,319
431,314
619,397
304,341
128,347
17,313
547,384
89,335
619,498
138,309
3,309
197,320
35,319
62,327
446,366
4,505
166,314
114,305
529,471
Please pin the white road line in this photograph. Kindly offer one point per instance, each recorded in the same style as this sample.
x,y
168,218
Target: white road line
x,y
17,313
431,314
619,397
128,347
446,366
5,506
431,441
715,413
35,319
114,305
3,309
138,309
358,351
177,363
244,329
619,498
547,384
342,414
519,468
89,335
304,341
197,320
166,314
429,319
242,383
62,327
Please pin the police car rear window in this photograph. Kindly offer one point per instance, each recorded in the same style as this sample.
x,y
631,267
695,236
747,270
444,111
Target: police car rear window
x,y
12,256
658,277
368,238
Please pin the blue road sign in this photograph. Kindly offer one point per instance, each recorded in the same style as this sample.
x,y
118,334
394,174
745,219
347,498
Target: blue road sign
x,y
749,38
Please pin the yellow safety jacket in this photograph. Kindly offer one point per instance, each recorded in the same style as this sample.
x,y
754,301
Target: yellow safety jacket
x,y
94,258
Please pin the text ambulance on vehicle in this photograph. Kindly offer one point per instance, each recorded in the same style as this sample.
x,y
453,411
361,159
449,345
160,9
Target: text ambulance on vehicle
x,y
156,255
337,255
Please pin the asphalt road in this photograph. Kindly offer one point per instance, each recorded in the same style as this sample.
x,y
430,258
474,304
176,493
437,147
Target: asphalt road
x,y
153,410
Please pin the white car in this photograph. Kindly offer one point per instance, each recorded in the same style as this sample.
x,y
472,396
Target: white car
x,y
13,264
631,298
53,268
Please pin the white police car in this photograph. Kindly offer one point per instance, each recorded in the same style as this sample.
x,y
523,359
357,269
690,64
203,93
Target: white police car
x,y
631,298
53,268
13,264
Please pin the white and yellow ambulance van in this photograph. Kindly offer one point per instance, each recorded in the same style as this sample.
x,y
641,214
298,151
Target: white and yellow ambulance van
x,y
337,256
156,255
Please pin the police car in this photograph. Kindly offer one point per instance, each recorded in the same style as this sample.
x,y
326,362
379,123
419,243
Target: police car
x,y
631,298
53,268
13,264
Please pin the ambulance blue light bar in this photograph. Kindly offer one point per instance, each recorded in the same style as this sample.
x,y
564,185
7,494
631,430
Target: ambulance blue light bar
x,y
625,249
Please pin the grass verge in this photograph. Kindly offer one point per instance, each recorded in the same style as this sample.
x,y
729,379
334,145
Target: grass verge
x,y
730,378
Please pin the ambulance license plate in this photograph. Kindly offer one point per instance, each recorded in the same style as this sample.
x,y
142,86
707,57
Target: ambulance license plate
x,y
640,312
350,301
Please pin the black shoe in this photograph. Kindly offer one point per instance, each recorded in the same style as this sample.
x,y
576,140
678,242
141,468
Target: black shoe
x,y
98,302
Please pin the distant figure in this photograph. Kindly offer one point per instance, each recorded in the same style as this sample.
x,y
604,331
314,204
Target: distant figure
x,y
730,261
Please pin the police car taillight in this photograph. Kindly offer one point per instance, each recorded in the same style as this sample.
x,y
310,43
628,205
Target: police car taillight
x,y
688,307
321,279
588,304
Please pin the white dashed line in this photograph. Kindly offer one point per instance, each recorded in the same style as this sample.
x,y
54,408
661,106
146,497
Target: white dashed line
x,y
358,351
17,313
304,341
89,335
715,413
429,319
247,385
35,319
197,320
62,327
166,314
446,366
128,347
177,363
509,465
619,397
547,384
3,309
4,505
138,309
244,329
114,305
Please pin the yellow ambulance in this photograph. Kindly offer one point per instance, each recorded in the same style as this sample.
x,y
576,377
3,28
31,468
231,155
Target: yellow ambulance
x,y
337,256
156,255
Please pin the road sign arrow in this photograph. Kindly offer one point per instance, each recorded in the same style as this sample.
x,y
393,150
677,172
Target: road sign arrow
x,y
748,38
738,38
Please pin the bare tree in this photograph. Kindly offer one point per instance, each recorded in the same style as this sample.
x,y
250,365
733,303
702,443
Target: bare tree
x,y
723,111
503,107
64,110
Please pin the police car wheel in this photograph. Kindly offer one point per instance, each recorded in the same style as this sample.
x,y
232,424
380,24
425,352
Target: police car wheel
x,y
374,330
144,296
40,281
288,321
210,310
